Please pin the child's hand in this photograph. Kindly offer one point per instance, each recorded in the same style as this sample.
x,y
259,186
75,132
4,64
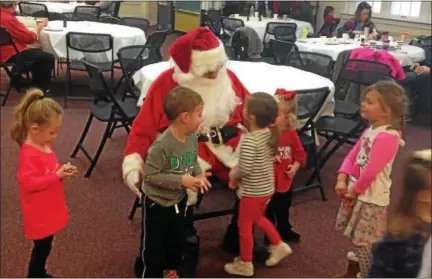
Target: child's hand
x,y
231,173
71,169
291,170
63,172
191,182
233,184
205,184
349,199
341,188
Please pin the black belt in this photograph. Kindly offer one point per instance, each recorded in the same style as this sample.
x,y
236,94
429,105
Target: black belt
x,y
219,136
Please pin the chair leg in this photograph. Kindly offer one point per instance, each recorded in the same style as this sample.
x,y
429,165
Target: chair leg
x,y
83,136
6,96
99,151
68,86
318,176
137,204
113,127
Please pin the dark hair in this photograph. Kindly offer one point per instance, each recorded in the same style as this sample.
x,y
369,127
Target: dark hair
x,y
33,108
265,109
327,10
363,6
416,179
179,100
393,97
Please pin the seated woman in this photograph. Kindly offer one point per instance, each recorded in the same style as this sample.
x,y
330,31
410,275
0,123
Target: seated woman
x,y
107,7
418,80
40,63
361,20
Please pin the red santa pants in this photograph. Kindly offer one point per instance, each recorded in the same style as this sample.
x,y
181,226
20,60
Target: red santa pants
x,y
251,212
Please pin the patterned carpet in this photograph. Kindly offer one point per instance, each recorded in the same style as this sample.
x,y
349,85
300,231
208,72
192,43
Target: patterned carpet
x,y
100,241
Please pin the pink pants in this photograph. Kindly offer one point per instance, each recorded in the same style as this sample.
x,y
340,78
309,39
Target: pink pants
x,y
251,212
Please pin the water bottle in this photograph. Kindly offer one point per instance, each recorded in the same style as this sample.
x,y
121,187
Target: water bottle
x,y
252,11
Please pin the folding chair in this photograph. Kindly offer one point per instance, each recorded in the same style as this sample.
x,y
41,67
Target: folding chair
x,y
89,44
313,62
328,28
156,40
137,22
33,9
214,26
284,33
105,108
94,11
309,103
110,20
229,26
281,51
239,46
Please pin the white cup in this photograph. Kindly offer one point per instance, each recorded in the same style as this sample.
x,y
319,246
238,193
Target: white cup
x,y
236,15
345,37
275,16
256,14
390,38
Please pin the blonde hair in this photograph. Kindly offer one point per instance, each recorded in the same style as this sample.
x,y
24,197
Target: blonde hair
x,y
393,97
33,108
416,179
290,115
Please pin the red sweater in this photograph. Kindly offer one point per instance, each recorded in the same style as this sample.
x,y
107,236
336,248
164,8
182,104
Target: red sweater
x,y
329,18
41,193
290,151
20,34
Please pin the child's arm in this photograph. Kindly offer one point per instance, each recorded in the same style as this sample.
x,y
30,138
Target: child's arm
x,y
384,149
246,159
299,154
153,170
29,177
350,159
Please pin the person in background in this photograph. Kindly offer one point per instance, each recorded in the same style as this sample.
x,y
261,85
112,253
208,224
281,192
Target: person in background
x,y
328,14
364,182
418,82
361,20
40,63
399,253
40,175
107,7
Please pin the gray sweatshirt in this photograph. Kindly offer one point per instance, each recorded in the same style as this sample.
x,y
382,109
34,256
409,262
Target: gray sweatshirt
x,y
168,160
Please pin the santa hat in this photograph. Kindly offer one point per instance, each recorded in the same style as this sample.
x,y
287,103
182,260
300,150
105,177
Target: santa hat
x,y
198,52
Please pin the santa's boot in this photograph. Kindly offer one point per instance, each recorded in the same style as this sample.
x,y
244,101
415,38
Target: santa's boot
x,y
353,268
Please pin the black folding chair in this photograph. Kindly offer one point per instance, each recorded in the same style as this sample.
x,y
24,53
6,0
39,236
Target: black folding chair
x,y
33,9
137,22
105,108
309,103
313,62
89,44
110,20
281,51
94,11
239,46
156,40
328,28
229,26
359,73
286,32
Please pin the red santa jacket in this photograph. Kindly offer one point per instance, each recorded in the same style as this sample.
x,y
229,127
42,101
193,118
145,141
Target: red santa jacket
x,y
152,120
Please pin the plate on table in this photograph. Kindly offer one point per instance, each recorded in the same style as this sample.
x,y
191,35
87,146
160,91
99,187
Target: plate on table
x,y
53,29
332,43
345,43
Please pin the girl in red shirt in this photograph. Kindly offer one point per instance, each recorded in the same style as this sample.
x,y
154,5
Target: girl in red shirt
x,y
328,14
40,176
290,159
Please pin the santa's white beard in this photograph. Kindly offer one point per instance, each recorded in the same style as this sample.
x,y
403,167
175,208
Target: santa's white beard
x,y
219,98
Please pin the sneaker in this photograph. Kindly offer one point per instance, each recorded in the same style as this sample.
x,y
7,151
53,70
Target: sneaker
x,y
238,267
351,256
291,236
278,253
172,273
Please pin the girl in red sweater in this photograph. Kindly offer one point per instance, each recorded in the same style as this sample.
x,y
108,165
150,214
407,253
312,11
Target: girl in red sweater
x,y
40,176
290,159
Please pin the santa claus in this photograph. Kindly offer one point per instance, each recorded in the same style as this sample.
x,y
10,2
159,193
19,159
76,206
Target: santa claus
x,y
199,63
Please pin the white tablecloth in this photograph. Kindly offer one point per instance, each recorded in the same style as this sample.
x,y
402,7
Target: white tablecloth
x,y
256,77
406,56
53,38
260,26
56,7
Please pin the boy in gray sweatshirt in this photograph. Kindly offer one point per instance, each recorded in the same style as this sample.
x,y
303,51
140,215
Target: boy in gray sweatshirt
x,y
171,168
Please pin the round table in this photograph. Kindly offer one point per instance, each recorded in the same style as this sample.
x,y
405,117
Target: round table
x,y
53,38
56,7
406,56
260,26
256,77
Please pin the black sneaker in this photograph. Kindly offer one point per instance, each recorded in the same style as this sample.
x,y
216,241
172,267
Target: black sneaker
x,y
291,236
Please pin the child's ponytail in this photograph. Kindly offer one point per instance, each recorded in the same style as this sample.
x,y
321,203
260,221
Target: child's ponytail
x,y
33,108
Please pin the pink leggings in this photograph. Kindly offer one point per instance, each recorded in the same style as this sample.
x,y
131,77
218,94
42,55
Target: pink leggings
x,y
251,212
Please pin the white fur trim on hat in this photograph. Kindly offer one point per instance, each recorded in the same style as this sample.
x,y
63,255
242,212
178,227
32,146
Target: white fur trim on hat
x,y
208,61
132,162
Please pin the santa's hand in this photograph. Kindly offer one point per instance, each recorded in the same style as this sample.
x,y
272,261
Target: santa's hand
x,y
133,180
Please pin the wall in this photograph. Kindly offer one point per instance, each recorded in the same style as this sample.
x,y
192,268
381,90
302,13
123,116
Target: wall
x,y
145,9
395,27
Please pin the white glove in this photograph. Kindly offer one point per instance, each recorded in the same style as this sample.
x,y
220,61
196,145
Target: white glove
x,y
192,197
133,180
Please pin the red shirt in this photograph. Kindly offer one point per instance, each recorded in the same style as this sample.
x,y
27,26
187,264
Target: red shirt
x,y
290,151
42,195
20,34
329,18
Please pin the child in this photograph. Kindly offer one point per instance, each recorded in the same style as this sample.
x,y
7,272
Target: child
x,y
40,176
171,168
364,180
255,173
399,253
328,14
291,156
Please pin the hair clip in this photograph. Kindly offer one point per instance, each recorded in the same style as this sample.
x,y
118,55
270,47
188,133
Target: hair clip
x,y
288,95
424,155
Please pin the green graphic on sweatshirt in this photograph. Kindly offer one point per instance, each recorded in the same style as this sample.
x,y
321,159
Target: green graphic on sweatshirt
x,y
185,160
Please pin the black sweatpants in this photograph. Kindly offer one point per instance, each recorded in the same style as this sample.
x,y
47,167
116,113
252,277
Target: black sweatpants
x,y
40,63
39,256
164,237
278,211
